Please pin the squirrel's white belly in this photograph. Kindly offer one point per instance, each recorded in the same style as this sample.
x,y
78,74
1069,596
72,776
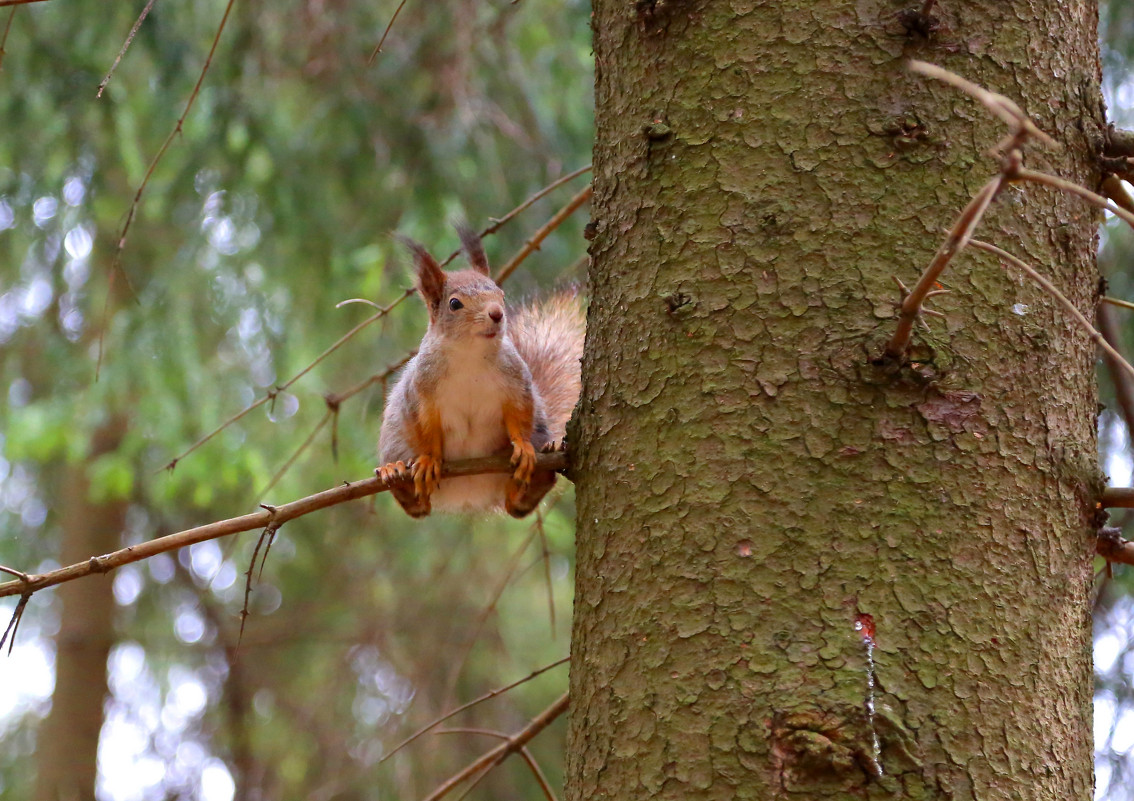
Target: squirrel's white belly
x,y
471,405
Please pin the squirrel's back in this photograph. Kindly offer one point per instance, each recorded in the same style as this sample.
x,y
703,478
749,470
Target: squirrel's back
x,y
549,336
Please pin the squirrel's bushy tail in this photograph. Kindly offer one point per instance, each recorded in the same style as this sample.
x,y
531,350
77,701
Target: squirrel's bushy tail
x,y
549,337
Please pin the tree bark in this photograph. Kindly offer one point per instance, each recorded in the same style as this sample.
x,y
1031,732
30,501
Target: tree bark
x,y
754,495
67,742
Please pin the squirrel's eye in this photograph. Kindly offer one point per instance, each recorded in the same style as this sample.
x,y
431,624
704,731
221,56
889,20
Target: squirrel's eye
x,y
455,304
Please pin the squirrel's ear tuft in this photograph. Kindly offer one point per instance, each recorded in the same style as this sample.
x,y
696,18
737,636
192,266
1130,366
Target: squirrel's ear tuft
x,y
430,276
474,250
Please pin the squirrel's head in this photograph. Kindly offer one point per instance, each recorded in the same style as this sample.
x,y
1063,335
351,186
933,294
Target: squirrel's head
x,y
464,303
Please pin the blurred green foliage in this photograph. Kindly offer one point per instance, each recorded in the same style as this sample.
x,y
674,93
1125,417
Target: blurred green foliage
x,y
277,200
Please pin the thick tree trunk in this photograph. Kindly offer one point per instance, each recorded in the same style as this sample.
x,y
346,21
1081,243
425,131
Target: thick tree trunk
x,y
751,486
67,744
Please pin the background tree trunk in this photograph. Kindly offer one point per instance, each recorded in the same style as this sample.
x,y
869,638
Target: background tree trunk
x,y
750,485
67,750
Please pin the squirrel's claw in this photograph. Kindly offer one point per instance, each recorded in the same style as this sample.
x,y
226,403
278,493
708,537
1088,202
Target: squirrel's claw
x,y
426,475
393,472
523,457
554,446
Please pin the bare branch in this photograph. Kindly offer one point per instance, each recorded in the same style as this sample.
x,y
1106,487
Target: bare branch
x,y
348,491
1071,188
497,224
297,453
458,664
1118,498
4,37
532,244
382,312
486,697
116,263
524,752
385,33
125,46
1123,382
501,752
1116,302
1003,107
954,243
18,2
14,623
1062,299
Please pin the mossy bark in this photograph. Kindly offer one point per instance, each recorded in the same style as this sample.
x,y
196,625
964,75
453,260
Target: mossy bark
x,y
751,485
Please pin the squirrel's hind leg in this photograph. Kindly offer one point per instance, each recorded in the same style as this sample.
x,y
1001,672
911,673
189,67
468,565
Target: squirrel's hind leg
x,y
521,498
397,475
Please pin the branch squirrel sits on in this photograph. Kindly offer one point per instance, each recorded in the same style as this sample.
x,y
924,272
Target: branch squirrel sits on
x,y
483,381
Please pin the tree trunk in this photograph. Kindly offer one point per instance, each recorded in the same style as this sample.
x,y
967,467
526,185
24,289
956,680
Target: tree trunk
x,y
755,496
67,743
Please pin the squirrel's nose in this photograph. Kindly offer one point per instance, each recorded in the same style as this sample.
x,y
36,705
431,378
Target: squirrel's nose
x,y
496,314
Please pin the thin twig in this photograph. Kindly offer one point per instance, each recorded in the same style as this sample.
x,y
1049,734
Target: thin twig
x,y
501,752
486,697
1003,107
125,46
116,263
497,224
458,663
378,378
14,623
1060,298
545,556
267,535
18,2
532,244
385,33
954,243
1116,302
1093,198
524,752
297,453
342,493
13,572
382,312
4,38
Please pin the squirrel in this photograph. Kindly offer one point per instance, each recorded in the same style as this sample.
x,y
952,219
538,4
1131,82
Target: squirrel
x,y
484,380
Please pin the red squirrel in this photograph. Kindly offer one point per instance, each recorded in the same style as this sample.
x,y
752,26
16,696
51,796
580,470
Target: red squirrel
x,y
484,380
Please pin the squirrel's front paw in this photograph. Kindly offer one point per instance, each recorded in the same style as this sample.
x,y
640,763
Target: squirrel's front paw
x,y
523,457
426,475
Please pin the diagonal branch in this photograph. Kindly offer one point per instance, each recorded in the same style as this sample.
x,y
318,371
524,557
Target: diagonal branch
x,y
954,243
116,264
533,244
486,697
1060,298
501,752
382,41
524,752
125,46
347,491
4,36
